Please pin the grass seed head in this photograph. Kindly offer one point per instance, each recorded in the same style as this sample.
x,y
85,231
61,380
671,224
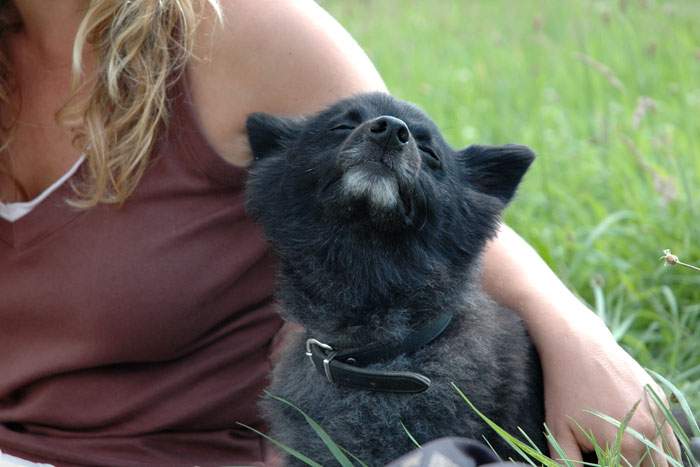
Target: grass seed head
x,y
669,258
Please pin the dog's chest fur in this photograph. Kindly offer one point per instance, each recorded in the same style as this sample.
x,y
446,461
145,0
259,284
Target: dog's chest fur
x,y
485,352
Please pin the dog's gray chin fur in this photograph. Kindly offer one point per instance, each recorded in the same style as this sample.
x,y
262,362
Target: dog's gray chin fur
x,y
378,187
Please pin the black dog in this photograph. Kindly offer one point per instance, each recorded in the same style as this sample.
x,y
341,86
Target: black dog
x,y
379,226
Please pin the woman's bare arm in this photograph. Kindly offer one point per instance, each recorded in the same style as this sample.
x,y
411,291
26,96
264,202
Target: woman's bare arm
x,y
286,57
584,368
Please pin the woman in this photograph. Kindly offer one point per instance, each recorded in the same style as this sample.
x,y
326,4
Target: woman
x,y
137,325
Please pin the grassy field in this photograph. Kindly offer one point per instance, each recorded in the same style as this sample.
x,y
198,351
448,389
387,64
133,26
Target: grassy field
x,y
608,95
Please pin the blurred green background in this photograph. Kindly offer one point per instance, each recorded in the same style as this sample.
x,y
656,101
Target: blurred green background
x,y
608,95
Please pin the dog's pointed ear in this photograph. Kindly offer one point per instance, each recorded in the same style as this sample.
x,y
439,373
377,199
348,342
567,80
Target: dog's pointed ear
x,y
496,170
270,134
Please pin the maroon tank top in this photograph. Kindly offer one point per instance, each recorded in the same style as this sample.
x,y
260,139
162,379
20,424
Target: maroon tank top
x,y
140,335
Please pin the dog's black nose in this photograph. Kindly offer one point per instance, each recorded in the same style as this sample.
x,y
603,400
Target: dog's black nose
x,y
389,131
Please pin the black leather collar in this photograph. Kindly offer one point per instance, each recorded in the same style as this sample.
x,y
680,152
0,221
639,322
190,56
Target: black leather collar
x,y
343,367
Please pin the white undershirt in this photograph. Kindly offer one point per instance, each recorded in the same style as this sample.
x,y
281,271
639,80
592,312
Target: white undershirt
x,y
7,460
13,211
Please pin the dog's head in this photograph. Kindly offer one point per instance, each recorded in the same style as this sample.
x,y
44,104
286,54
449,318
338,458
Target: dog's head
x,y
368,191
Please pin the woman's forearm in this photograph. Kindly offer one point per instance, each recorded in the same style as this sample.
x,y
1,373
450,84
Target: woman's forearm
x,y
584,369
518,278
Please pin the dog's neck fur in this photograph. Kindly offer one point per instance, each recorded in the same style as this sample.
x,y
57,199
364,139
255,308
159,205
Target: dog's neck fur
x,y
332,319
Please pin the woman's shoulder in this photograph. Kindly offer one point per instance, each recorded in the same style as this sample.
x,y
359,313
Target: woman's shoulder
x,y
279,56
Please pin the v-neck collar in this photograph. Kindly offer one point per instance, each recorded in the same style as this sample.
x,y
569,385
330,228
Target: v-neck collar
x,y
44,219
15,210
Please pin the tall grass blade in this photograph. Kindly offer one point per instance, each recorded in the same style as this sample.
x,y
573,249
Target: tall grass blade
x,y
668,415
330,444
522,448
354,457
681,400
288,450
617,447
410,436
555,445
638,436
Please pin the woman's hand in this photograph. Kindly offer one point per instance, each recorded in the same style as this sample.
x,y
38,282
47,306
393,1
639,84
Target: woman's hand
x,y
584,368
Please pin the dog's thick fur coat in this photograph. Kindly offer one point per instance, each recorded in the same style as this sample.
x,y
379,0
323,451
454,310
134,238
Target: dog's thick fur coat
x,y
379,226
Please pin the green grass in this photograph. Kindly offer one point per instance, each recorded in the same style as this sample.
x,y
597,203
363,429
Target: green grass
x,y
607,454
607,193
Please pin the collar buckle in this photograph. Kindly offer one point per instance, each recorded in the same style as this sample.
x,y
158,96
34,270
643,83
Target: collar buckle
x,y
327,359
349,367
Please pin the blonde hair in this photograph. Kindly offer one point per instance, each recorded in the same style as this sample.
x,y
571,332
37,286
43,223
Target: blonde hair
x,y
115,114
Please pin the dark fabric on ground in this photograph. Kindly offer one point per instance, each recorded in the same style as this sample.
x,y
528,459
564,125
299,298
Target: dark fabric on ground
x,y
462,452
452,452
695,447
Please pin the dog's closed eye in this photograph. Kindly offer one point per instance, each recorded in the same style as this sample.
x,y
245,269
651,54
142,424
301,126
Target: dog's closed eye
x,y
432,158
343,127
